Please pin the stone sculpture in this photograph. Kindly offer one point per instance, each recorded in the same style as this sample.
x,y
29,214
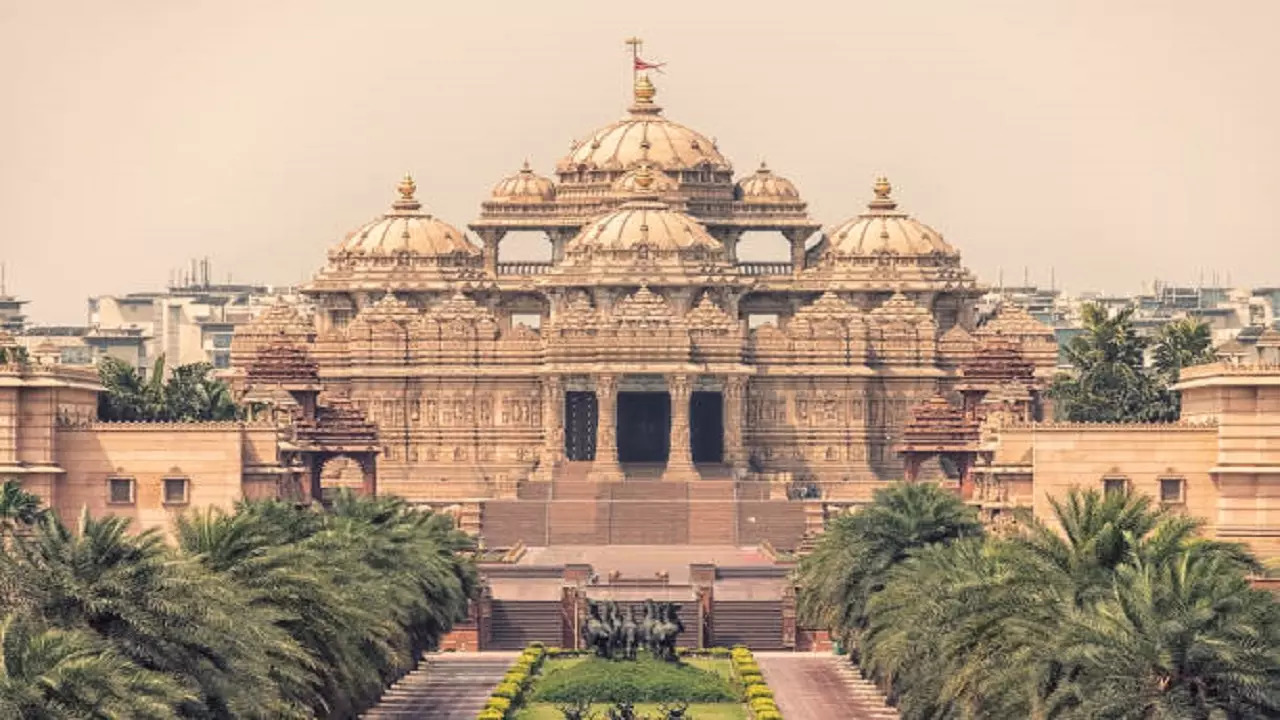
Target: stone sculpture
x,y
614,632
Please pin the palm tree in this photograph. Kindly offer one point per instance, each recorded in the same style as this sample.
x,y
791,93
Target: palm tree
x,y
18,508
1182,343
161,613
363,589
852,559
51,674
1185,638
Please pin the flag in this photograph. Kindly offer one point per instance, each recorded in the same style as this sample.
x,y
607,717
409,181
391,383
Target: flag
x,y
646,65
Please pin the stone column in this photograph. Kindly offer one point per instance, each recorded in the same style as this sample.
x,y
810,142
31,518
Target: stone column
x,y
680,455
552,426
796,238
491,239
735,390
606,467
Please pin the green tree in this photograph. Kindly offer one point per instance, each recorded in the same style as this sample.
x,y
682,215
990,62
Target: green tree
x,y
189,394
1182,343
1110,382
18,508
853,558
159,612
364,588
1040,623
1185,637
51,674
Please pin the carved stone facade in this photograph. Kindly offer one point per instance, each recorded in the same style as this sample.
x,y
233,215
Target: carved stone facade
x,y
643,311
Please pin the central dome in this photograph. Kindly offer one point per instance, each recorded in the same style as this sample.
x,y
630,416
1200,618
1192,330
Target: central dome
x,y
644,136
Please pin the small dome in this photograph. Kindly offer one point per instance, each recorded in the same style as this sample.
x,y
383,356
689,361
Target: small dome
x,y
525,186
763,186
644,136
407,229
644,180
885,229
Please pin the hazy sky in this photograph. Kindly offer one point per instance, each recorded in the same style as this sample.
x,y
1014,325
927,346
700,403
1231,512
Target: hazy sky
x,y
1115,141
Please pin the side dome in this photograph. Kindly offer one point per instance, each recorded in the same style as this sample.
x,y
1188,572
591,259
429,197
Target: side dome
x,y
883,229
763,186
644,136
525,186
406,230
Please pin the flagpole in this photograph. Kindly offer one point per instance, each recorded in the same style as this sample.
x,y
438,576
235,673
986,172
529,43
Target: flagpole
x,y
635,44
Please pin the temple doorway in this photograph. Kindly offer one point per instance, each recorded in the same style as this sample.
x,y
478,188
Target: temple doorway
x,y
644,427
580,418
706,427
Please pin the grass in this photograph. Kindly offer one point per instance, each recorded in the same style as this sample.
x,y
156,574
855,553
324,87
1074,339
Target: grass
x,y
701,711
643,680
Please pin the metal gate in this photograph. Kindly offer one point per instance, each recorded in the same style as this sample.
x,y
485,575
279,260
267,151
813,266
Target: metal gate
x,y
580,417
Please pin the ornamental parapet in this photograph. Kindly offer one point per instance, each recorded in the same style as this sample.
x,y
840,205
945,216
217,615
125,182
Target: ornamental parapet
x,y
170,426
1179,426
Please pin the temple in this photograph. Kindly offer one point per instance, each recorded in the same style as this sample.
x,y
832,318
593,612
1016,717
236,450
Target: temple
x,y
643,349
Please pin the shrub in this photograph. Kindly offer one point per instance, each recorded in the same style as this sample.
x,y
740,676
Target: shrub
x,y
752,679
748,668
500,704
768,715
491,715
758,690
645,680
760,705
719,652
507,690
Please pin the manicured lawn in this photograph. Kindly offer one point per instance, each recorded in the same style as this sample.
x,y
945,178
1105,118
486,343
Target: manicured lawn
x,y
716,711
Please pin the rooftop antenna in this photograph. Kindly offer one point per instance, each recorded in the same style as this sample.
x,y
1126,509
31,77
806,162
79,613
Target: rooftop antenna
x,y
1026,276
1053,279
1000,279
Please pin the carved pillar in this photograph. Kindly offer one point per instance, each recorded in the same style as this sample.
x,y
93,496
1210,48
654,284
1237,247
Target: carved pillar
x,y
730,240
680,457
606,467
552,426
491,239
558,240
735,390
796,238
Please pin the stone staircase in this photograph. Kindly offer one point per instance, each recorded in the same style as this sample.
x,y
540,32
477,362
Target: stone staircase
x,y
445,686
713,513
870,700
754,623
516,623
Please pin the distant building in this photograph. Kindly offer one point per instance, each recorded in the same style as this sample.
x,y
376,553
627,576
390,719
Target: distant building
x,y
191,322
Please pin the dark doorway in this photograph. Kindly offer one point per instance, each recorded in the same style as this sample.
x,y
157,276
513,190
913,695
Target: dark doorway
x,y
644,426
580,415
706,427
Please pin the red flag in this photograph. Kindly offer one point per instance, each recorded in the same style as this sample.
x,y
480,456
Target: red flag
x,y
646,65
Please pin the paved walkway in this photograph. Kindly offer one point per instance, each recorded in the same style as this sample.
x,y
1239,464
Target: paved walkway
x,y
446,686
809,686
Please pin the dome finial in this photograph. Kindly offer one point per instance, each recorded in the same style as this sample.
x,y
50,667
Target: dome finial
x,y
882,189
644,90
407,188
764,167
526,167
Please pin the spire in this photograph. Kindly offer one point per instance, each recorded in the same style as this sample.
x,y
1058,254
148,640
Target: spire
x,y
642,88
407,188
882,201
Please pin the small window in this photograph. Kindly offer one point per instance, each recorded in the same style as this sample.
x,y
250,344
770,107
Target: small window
x,y
175,491
1115,485
120,491
1172,491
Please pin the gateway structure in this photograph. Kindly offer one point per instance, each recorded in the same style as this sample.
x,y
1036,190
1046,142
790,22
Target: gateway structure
x,y
644,363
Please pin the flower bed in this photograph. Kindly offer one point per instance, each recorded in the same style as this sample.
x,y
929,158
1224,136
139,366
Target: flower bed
x,y
759,696
510,693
